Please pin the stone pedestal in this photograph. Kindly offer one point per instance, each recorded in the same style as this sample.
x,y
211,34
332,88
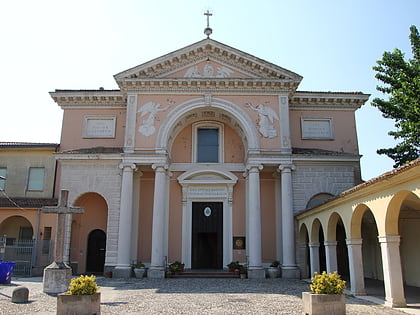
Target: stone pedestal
x,y
121,272
156,273
57,278
256,273
290,272
323,304
79,304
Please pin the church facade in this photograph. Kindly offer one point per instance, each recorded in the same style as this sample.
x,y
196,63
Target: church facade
x,y
203,156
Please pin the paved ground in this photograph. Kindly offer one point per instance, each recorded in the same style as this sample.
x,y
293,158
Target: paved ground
x,y
185,296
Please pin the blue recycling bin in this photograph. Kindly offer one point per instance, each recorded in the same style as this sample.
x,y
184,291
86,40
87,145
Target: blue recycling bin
x,y
6,271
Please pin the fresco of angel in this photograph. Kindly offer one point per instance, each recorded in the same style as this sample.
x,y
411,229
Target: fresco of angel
x,y
267,115
147,127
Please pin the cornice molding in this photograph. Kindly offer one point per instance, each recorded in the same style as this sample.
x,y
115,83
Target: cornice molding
x,y
328,100
210,85
94,98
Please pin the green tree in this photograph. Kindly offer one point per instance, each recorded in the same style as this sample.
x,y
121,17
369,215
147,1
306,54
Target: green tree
x,y
402,83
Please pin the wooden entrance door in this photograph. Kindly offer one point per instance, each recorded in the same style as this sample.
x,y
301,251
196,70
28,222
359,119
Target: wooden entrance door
x,y
207,235
96,251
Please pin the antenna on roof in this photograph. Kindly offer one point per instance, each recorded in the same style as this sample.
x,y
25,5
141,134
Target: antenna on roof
x,y
208,31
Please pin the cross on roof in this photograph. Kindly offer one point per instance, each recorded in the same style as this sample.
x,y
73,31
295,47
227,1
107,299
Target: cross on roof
x,y
208,29
208,17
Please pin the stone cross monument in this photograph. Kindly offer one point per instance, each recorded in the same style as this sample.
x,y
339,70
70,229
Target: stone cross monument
x,y
57,276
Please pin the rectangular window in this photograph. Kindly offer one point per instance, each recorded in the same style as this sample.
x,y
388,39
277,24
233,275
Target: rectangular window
x,y
36,178
207,145
2,178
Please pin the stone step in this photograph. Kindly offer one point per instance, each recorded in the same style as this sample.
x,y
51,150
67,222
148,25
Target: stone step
x,y
190,274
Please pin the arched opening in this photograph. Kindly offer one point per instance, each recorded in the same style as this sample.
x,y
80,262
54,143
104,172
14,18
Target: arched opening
x,y
304,252
372,259
317,237
16,228
96,245
337,233
95,217
342,252
19,244
408,226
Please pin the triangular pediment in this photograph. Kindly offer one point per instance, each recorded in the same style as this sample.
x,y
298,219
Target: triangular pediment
x,y
208,59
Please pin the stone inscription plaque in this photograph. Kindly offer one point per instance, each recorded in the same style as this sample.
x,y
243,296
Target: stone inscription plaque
x,y
99,127
317,128
207,192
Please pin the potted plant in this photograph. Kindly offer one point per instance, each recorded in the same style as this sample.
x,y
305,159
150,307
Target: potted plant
x,y
234,265
274,271
326,296
139,269
176,267
81,298
243,271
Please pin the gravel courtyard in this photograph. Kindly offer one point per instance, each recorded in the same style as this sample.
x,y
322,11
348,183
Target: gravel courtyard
x,y
184,296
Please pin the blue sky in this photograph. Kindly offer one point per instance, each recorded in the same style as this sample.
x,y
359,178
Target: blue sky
x,y
81,44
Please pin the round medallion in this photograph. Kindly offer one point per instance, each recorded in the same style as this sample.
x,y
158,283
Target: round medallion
x,y
207,211
239,243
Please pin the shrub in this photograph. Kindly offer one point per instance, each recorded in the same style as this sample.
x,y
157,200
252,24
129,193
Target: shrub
x,y
176,267
83,285
327,283
234,265
138,264
275,264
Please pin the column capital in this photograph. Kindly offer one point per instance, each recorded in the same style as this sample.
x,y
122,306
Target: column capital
x,y
313,245
254,167
389,239
157,166
124,165
330,243
286,167
354,241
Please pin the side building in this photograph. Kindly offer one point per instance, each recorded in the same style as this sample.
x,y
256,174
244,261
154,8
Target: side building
x,y
27,180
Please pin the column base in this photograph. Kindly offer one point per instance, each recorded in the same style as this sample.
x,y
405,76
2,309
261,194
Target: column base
x,y
122,272
156,273
395,303
256,273
56,278
290,272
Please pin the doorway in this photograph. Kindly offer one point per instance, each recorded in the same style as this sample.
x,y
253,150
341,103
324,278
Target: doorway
x,y
95,259
207,235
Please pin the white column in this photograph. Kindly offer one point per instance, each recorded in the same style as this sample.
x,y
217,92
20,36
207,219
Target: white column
x,y
289,267
130,123
391,263
314,258
303,255
123,268
135,216
331,255
279,218
285,142
357,280
255,269
157,268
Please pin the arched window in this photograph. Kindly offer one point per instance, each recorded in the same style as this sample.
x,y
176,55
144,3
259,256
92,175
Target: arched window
x,y
318,199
